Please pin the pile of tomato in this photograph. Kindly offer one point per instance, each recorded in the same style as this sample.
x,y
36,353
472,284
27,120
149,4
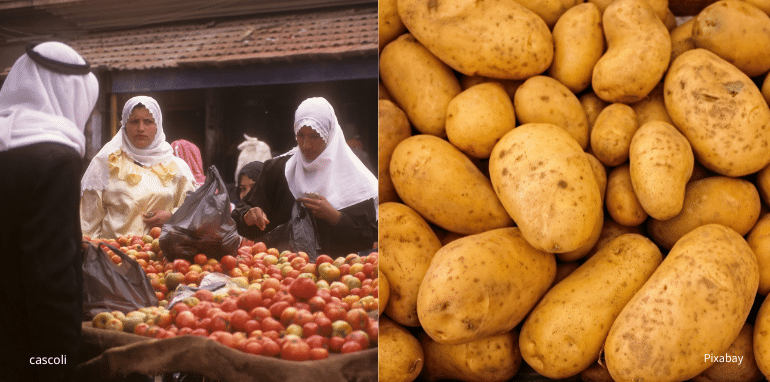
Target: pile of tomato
x,y
277,304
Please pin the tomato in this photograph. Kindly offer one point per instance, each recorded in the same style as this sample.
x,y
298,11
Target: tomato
x,y
271,323
258,247
334,311
238,319
200,332
295,349
303,288
252,325
249,300
181,265
253,347
220,322
191,277
335,343
270,348
160,296
357,318
204,295
317,341
324,324
351,347
323,259
373,331
309,329
184,331
302,317
228,262
277,308
358,336
203,323
287,316
319,353
200,259
271,283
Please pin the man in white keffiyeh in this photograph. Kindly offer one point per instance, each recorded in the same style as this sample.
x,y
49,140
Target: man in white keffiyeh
x,y
325,175
45,102
135,182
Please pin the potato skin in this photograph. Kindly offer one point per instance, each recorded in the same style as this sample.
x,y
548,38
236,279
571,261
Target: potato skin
x,y
401,356
392,128
652,107
421,85
612,133
732,202
542,99
759,241
736,31
721,112
459,33
578,41
661,163
407,245
495,358
745,371
638,52
762,338
439,182
681,39
478,117
545,181
389,22
565,332
694,304
482,285
621,201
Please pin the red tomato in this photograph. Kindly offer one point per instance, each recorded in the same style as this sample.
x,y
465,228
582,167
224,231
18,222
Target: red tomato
x,y
185,319
270,348
181,265
302,317
357,318
271,323
200,332
324,324
303,288
277,308
335,311
228,262
373,331
220,322
295,349
204,295
317,341
323,259
287,316
358,336
335,344
200,259
319,353
238,319
249,300
253,347
258,247
252,325
351,347
310,329
229,305
259,313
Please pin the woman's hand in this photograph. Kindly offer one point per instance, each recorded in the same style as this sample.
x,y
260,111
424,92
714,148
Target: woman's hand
x,y
322,209
255,216
156,218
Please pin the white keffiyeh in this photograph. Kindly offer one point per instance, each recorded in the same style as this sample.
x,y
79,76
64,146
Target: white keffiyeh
x,y
158,152
38,105
337,173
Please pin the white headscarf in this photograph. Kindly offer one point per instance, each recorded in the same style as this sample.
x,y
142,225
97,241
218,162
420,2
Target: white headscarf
x,y
38,105
337,173
159,151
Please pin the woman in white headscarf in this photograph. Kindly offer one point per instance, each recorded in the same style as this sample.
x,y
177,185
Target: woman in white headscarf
x,y
135,182
325,175
45,102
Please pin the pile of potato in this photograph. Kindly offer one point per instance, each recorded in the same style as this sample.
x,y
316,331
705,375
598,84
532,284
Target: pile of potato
x,y
580,186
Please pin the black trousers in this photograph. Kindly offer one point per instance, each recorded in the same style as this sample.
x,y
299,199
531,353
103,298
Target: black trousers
x,y
41,281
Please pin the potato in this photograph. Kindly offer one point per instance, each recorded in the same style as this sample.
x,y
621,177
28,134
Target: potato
x,y
493,38
407,245
592,105
762,338
610,230
549,10
681,39
478,117
601,180
392,128
546,183
670,21
421,85
652,107
597,372
694,304
482,285
443,185
621,201
763,184
721,112
738,364
659,6
510,86
578,41
384,291
489,359
736,31
600,173
660,155
542,99
612,133
759,241
638,52
565,332
389,22
766,89
401,358
731,202
382,92
763,5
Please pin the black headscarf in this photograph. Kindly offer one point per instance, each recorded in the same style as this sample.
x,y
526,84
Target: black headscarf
x,y
252,170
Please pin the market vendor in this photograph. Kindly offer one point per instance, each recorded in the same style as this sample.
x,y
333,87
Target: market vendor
x,y
135,182
324,174
247,177
45,101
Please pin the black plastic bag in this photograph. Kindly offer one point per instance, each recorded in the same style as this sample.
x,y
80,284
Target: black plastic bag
x,y
202,224
108,287
298,234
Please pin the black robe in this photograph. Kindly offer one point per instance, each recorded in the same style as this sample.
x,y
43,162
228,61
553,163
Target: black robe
x,y
356,230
